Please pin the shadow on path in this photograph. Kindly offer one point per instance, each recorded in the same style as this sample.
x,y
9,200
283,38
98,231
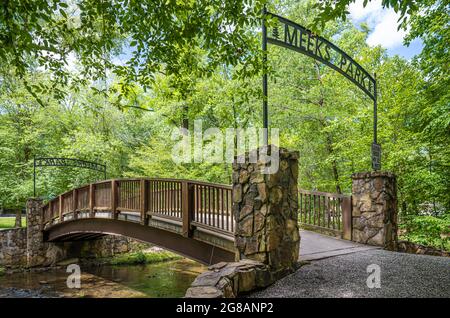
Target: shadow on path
x,y
314,246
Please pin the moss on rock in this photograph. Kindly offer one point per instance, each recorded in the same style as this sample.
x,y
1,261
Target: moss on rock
x,y
142,258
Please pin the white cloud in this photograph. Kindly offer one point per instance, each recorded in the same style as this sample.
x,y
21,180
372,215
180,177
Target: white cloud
x,y
383,22
386,33
358,12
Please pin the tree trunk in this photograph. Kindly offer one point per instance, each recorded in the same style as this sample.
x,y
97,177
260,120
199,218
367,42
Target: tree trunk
x,y
185,120
18,222
333,164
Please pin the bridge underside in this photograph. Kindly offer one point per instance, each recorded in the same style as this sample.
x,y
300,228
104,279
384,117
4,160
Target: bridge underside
x,y
92,228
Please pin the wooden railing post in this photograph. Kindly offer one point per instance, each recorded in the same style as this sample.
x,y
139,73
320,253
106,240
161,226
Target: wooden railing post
x,y
144,201
346,208
60,208
187,207
91,200
75,204
114,200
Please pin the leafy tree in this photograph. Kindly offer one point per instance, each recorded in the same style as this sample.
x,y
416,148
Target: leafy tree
x,y
123,115
157,36
428,122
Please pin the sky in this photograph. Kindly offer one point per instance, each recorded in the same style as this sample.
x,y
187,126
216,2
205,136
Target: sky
x,y
383,23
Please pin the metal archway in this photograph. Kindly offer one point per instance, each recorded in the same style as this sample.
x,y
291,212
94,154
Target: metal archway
x,y
65,162
299,39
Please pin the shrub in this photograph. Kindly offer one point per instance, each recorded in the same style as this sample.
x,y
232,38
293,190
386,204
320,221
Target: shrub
x,y
427,230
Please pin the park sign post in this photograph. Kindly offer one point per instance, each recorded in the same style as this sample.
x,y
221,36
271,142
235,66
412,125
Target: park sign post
x,y
293,36
65,162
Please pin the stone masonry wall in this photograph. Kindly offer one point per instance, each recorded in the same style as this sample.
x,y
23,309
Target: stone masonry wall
x,y
25,247
13,247
414,248
374,214
267,238
106,246
265,209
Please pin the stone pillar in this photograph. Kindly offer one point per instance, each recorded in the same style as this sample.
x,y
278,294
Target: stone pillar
x,y
35,240
40,253
265,209
374,213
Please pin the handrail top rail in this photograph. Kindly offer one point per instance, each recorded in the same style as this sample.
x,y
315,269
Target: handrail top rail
x,y
156,179
205,183
327,194
172,180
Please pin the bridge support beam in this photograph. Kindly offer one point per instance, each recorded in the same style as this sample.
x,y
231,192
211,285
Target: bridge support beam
x,y
374,212
265,205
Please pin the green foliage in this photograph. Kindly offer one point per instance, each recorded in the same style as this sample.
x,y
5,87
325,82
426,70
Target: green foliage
x,y
155,33
2,271
419,120
142,258
427,230
189,70
332,10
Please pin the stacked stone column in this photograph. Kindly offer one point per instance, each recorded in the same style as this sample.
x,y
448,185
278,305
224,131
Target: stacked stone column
x,y
265,209
35,241
374,213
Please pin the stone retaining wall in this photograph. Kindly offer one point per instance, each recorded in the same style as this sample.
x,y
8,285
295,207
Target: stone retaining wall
x,y
108,246
13,247
414,248
25,247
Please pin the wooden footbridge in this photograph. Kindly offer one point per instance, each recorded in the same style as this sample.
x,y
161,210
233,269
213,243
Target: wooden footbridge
x,y
191,218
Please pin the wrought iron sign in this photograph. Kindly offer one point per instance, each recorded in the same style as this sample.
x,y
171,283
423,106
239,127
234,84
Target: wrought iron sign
x,y
376,156
65,162
290,35
295,37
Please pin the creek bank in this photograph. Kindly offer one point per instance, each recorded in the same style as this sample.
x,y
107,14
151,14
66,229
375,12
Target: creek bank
x,y
141,257
18,252
146,256
161,279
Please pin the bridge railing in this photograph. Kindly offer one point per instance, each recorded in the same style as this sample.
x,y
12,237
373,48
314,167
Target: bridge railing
x,y
213,206
165,198
193,204
326,212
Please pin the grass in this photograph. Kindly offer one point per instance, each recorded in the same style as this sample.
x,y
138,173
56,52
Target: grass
x,y
8,222
142,258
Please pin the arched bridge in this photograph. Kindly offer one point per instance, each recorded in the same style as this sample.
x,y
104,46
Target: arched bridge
x,y
191,218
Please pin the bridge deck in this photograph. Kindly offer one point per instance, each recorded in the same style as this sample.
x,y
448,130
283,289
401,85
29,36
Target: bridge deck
x,y
315,246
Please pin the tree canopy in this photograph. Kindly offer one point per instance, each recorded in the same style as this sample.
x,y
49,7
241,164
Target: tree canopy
x,y
155,36
64,92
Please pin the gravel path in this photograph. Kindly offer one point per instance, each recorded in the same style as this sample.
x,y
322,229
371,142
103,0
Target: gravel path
x,y
402,275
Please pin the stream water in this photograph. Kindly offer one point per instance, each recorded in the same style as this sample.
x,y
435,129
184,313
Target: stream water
x,y
165,279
